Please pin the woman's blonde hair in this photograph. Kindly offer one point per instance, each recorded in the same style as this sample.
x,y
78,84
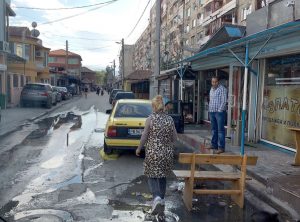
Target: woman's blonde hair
x,y
158,103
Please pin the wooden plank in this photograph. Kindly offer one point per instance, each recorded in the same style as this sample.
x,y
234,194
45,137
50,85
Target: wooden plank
x,y
252,160
210,175
297,154
295,129
225,192
210,159
186,158
188,194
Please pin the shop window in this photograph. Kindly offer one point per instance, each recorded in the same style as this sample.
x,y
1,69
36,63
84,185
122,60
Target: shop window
x,y
22,81
15,80
27,52
52,59
28,79
281,100
72,61
19,50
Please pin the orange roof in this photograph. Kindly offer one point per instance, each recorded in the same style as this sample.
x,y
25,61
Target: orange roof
x,y
62,52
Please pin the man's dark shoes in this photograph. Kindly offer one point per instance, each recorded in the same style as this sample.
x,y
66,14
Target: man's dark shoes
x,y
219,151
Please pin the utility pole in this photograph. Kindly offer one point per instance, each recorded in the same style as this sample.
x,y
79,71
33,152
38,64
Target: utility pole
x,y
123,63
157,48
114,64
67,55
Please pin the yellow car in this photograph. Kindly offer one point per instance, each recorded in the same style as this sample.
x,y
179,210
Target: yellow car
x,y
125,124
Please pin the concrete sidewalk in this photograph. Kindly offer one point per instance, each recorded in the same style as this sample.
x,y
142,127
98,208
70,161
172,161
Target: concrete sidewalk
x,y
275,180
14,118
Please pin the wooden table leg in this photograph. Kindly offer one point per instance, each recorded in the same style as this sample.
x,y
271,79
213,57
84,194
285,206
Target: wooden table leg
x,y
297,155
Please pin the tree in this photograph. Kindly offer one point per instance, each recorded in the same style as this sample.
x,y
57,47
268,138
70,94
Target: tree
x,y
100,77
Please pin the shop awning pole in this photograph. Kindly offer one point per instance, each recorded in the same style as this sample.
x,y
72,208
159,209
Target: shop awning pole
x,y
244,100
181,87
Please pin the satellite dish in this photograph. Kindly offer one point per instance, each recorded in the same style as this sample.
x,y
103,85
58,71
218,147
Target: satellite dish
x,y
34,25
35,33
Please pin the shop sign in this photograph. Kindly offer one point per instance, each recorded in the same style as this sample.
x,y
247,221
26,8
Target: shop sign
x,y
281,110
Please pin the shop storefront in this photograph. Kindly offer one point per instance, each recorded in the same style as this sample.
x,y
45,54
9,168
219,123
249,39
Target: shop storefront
x,y
281,100
223,74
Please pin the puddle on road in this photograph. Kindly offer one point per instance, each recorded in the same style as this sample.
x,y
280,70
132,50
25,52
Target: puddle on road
x,y
59,165
43,215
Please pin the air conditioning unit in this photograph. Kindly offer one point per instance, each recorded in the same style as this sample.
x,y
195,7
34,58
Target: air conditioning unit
x,y
4,46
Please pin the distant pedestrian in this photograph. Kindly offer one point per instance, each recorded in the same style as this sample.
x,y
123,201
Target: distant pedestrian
x,y
86,91
217,114
158,138
98,90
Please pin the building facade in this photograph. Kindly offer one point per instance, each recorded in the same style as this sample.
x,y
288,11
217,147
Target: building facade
x,y
64,73
191,29
126,60
88,78
5,13
33,68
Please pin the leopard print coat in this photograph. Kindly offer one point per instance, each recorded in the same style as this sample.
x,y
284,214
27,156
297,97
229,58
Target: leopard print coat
x,y
159,146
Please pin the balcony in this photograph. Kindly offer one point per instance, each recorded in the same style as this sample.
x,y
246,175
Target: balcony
x,y
220,12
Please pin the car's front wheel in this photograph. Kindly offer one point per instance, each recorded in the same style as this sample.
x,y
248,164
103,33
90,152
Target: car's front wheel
x,y
107,149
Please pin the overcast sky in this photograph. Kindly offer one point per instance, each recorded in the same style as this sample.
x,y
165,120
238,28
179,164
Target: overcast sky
x,y
93,34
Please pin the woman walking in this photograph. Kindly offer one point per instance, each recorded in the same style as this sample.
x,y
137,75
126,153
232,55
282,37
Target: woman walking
x,y
158,138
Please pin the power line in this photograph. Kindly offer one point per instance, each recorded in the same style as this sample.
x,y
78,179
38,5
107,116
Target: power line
x,y
75,15
139,20
63,8
73,37
91,49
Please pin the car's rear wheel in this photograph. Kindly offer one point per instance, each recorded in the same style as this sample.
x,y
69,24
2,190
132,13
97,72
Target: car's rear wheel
x,y
22,103
49,104
107,149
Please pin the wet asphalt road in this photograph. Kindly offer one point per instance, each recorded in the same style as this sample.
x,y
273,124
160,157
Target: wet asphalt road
x,y
45,178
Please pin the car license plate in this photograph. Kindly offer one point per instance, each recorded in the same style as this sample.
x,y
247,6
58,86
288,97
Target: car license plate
x,y
135,132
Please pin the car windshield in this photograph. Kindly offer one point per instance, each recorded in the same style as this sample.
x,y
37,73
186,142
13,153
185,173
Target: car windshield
x,y
115,92
133,110
124,96
35,87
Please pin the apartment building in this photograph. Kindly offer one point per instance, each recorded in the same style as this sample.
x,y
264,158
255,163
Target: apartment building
x,y
29,63
5,13
142,51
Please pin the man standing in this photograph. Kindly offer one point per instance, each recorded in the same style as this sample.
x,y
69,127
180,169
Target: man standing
x,y
217,106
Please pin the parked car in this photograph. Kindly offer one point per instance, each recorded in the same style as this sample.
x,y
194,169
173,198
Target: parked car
x,y
113,93
38,93
71,90
64,93
123,95
126,124
57,94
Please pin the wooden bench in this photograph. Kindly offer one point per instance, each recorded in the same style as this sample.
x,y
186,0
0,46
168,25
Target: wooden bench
x,y
237,178
297,140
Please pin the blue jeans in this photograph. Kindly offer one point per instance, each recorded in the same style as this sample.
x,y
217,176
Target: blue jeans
x,y
217,120
157,186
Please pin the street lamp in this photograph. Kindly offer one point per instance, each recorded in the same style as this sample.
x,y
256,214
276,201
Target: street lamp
x,y
123,62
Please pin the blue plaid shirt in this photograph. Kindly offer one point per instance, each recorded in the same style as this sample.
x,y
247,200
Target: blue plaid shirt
x,y
218,99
